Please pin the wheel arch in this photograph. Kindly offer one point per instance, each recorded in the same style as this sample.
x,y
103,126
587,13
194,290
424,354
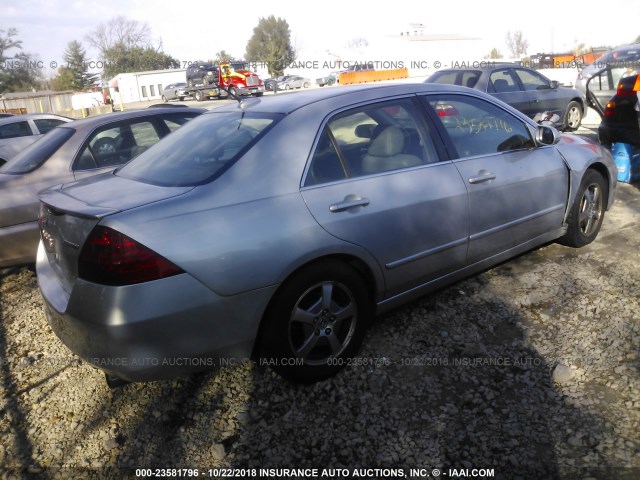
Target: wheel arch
x,y
358,265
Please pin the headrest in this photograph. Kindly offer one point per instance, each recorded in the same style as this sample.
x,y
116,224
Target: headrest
x,y
388,143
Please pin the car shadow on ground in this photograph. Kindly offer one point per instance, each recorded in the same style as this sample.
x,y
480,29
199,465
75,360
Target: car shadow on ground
x,y
12,412
462,378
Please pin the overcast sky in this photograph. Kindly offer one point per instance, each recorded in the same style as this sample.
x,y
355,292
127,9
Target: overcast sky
x,y
193,30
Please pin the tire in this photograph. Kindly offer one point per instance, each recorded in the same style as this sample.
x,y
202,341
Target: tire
x,y
573,116
306,85
232,91
258,94
104,145
190,82
181,99
587,213
198,95
287,87
318,317
164,99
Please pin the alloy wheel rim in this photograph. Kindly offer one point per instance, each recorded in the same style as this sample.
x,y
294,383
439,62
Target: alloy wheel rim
x,y
322,322
590,209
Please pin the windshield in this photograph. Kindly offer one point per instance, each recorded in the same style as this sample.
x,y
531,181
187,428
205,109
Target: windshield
x,y
200,151
38,152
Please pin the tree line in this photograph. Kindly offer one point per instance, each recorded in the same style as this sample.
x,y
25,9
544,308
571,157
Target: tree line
x,y
125,45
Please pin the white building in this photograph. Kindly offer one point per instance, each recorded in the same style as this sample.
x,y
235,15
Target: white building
x,y
143,86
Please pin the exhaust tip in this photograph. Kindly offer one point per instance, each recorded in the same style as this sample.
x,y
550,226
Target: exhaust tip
x,y
114,382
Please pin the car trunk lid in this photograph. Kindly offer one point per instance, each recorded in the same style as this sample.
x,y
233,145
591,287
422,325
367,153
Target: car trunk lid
x,y
70,212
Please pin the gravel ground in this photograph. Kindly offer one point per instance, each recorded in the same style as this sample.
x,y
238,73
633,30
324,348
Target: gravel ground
x,y
530,369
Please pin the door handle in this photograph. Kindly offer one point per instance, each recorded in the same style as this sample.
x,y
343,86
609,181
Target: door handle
x,y
483,176
350,201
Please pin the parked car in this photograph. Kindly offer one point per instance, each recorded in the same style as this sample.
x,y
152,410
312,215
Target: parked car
x,y
173,91
293,81
327,79
19,131
626,58
70,152
269,83
522,88
279,229
201,73
619,114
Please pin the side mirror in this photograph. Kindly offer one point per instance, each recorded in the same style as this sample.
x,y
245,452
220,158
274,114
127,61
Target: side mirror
x,y
554,84
546,135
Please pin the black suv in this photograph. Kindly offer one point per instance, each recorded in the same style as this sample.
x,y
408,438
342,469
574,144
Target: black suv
x,y
201,73
619,115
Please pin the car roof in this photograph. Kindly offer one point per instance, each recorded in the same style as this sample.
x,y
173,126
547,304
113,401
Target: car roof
x,y
116,116
289,102
28,116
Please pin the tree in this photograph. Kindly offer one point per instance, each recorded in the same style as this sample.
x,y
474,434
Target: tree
x,y
19,72
119,31
517,44
125,46
136,59
494,54
75,74
271,44
223,57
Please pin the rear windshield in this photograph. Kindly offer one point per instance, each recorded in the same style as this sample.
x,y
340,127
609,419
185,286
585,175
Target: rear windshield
x,y
201,150
38,152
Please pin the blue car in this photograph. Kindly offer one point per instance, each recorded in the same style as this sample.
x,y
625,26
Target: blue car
x,y
523,88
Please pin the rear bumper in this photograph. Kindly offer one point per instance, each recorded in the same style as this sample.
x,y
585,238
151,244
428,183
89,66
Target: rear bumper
x,y
614,133
154,330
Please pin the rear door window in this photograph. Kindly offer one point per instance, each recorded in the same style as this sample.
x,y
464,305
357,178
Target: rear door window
x,y
502,81
368,140
46,124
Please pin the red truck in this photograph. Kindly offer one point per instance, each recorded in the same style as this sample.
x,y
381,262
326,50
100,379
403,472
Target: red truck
x,y
234,76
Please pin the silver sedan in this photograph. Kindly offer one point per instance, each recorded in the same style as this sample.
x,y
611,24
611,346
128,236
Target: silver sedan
x,y
173,91
76,150
277,229
19,131
293,81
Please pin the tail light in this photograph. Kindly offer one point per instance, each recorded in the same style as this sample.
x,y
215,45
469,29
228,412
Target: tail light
x,y
109,257
610,109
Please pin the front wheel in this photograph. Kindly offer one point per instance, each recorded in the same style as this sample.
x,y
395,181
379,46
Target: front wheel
x,y
198,95
306,85
587,212
316,322
164,99
573,116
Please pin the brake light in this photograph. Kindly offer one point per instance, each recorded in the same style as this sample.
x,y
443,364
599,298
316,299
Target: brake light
x,y
109,257
610,109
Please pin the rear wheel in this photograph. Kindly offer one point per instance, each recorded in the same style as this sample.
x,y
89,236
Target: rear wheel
x,y
573,116
316,321
587,213
190,82
198,95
